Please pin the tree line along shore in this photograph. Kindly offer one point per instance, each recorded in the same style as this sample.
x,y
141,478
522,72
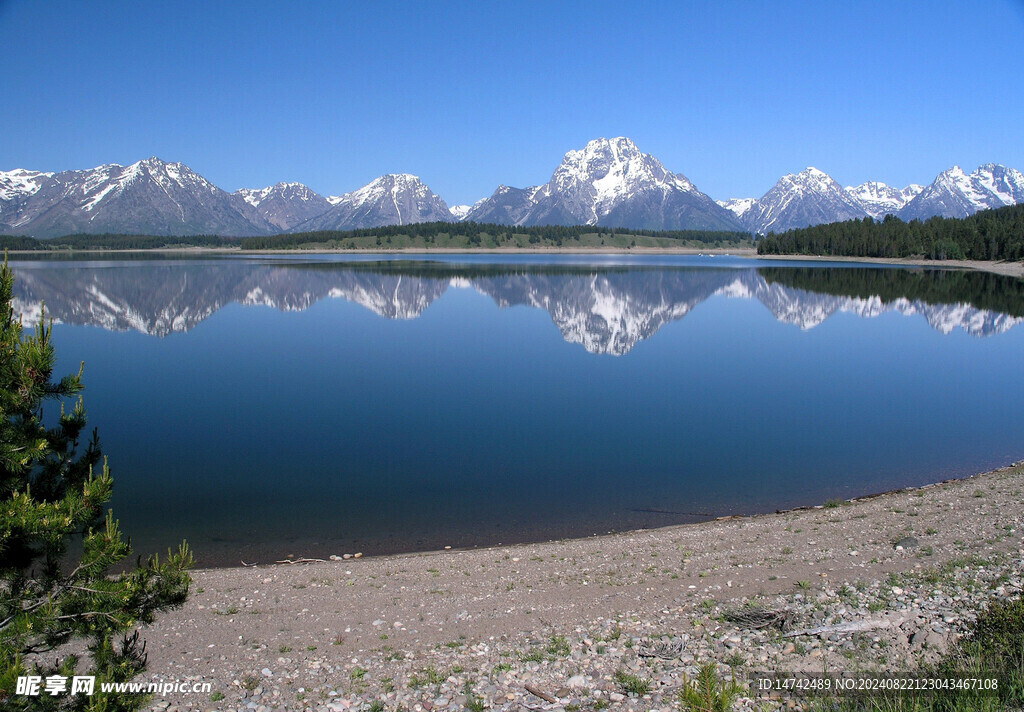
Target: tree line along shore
x,y
989,235
433,235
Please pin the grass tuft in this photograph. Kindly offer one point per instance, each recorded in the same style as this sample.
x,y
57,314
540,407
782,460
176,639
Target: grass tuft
x,y
632,684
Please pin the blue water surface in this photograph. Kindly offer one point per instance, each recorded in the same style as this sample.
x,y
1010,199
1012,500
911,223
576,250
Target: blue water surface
x,y
266,406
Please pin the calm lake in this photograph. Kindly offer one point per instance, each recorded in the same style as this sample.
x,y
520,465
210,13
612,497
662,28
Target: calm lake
x,y
261,406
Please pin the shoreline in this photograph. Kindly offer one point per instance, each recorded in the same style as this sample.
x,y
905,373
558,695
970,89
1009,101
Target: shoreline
x,y
1010,269
540,539
422,631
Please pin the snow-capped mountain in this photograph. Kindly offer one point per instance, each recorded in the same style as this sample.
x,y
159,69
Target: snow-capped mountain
x,y
394,199
149,196
505,206
955,194
16,189
809,197
879,199
608,183
20,183
738,206
459,212
285,205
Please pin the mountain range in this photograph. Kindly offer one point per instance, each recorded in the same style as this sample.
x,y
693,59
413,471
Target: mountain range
x,y
812,197
607,183
606,312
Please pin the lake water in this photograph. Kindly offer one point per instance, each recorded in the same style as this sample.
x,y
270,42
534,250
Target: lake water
x,y
315,405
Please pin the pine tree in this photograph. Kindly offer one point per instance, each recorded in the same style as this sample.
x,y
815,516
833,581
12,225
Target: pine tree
x,y
52,494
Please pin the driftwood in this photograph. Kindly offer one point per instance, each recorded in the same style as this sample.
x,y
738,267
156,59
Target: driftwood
x,y
248,565
849,627
540,693
666,650
301,561
756,618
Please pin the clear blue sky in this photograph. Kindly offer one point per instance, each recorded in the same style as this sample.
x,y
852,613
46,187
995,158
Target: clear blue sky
x,y
468,95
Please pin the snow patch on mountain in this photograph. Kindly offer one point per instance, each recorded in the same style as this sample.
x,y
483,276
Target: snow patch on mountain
x,y
459,212
878,199
254,196
21,183
738,206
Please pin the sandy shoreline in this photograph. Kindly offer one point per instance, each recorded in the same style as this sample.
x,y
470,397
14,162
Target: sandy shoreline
x,y
333,635
1010,269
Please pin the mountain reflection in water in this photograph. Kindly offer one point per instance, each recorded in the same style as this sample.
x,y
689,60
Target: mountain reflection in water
x,y
606,310
393,405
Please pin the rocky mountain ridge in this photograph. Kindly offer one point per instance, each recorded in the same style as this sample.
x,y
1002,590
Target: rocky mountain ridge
x,y
812,197
607,183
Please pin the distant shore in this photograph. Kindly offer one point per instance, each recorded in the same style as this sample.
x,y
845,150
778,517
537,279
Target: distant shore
x,y
1010,269
420,630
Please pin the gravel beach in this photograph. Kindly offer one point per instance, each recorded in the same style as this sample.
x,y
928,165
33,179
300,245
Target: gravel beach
x,y
618,621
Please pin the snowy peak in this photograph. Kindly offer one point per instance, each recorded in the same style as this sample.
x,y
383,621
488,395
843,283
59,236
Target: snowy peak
x,y
168,174
738,206
608,182
459,212
911,192
149,196
810,197
98,187
610,166
284,205
295,191
401,190
393,199
811,181
879,199
21,183
1005,184
955,194
606,172
390,186
505,206
18,189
